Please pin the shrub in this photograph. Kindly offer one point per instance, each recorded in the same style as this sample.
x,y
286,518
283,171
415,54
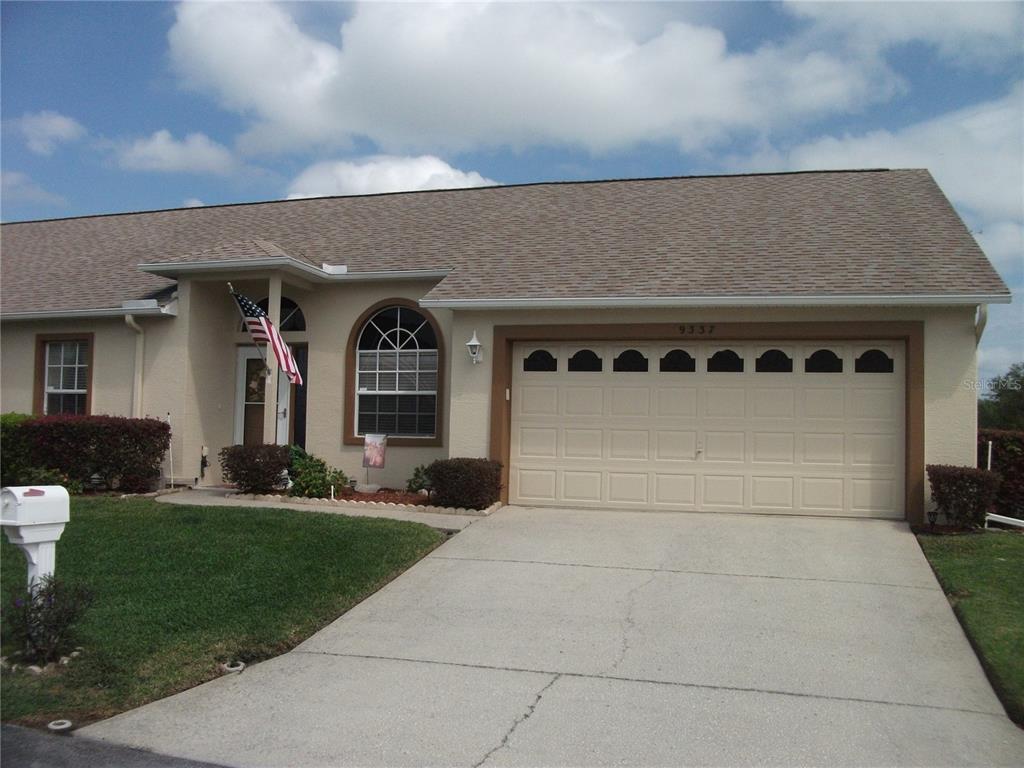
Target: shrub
x,y
13,456
419,480
312,476
468,483
254,468
1008,461
125,453
36,476
963,494
42,619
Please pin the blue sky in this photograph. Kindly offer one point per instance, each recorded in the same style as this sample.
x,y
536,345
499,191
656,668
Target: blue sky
x,y
132,106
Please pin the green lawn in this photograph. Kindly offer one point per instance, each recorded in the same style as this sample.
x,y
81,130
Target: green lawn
x,y
181,589
983,574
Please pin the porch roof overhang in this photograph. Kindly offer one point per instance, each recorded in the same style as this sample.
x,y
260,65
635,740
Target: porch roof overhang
x,y
135,308
327,273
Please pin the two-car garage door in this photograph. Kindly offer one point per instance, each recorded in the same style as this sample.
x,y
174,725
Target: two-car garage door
x,y
784,427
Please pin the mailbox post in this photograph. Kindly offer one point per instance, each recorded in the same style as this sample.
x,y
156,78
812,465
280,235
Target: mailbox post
x,y
33,517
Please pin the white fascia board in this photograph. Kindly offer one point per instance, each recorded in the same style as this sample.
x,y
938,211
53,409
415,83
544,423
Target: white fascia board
x,y
168,310
718,301
173,269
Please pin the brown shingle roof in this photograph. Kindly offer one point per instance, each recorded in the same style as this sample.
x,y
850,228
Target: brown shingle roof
x,y
829,233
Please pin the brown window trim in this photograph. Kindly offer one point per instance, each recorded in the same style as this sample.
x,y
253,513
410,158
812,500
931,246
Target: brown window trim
x,y
42,339
910,333
350,437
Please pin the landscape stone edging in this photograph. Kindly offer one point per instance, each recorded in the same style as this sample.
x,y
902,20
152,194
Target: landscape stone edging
x,y
349,504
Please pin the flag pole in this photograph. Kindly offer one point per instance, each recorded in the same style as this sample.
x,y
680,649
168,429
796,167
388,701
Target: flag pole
x,y
266,366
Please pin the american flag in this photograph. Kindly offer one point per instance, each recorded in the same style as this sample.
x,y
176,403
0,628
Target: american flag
x,y
263,331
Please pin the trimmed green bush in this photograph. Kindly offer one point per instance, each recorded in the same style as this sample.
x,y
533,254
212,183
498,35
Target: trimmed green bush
x,y
255,468
1008,461
467,483
963,494
13,450
312,477
125,453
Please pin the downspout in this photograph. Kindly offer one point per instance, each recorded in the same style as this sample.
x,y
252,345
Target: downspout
x,y
140,359
980,322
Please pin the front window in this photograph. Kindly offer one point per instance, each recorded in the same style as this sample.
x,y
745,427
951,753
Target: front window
x,y
396,375
67,377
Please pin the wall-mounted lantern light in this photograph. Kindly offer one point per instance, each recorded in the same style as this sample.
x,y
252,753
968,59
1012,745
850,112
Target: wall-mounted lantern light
x,y
476,353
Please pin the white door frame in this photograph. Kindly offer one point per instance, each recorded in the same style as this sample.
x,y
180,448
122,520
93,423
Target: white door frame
x,y
283,398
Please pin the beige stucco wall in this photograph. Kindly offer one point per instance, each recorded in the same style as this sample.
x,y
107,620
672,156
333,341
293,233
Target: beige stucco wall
x,y
330,313
113,363
949,347
190,369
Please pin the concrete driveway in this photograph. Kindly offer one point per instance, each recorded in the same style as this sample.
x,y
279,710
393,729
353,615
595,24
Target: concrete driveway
x,y
550,637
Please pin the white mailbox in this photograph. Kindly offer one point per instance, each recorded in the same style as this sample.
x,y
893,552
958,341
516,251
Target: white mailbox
x,y
33,517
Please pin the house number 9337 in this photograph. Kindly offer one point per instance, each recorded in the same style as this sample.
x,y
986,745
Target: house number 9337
x,y
696,330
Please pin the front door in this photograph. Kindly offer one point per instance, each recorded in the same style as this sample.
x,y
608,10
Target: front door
x,y
250,397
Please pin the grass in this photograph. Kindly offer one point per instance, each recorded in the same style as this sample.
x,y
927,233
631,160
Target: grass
x,y
180,589
983,574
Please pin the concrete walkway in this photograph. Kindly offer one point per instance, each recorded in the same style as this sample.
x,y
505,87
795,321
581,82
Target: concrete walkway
x,y
543,637
221,497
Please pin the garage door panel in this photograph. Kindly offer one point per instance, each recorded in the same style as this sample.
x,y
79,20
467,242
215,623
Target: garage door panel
x,y
825,403
793,442
774,447
581,486
724,446
822,494
725,402
872,495
677,402
672,445
583,401
627,488
538,442
583,443
538,401
676,490
630,401
723,491
873,450
772,493
537,484
823,448
629,445
773,403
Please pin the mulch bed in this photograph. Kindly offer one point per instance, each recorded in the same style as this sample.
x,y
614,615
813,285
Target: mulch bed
x,y
386,495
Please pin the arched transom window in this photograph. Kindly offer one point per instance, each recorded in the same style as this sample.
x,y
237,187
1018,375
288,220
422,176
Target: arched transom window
x,y
396,375
292,318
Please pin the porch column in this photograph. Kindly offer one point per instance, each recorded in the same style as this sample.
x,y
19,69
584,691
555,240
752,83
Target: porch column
x,y
270,398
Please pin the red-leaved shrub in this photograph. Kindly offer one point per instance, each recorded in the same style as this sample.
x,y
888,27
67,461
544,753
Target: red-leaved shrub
x,y
125,453
1008,461
963,494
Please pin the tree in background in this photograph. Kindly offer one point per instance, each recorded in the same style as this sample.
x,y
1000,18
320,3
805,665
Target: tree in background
x,y
1002,407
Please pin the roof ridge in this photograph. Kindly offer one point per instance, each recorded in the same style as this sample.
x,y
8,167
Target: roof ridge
x,y
491,187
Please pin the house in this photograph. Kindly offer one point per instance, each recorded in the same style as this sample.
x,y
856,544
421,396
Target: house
x,y
788,343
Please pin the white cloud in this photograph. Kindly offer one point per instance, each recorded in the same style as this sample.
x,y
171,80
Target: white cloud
x,y
18,187
382,173
193,202
964,32
413,77
196,153
43,131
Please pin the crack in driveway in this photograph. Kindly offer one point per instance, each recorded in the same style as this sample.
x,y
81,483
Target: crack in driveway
x,y
628,622
519,721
